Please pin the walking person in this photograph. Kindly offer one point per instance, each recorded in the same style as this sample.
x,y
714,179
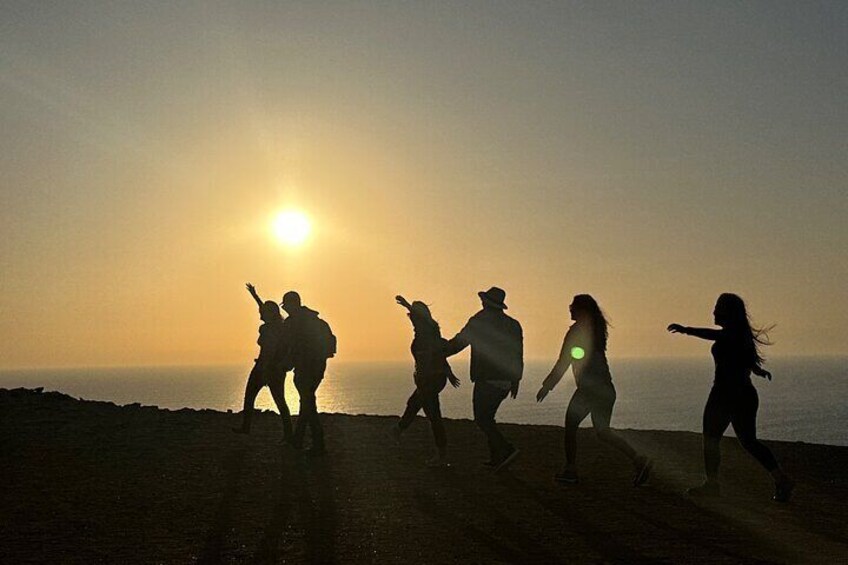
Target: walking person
x,y
432,373
733,398
269,368
311,343
584,349
497,363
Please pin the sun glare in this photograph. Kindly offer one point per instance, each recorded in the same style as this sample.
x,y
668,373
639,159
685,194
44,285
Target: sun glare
x,y
291,227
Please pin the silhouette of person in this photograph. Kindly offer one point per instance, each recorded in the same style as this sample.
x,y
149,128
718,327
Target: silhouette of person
x,y
432,373
733,398
311,344
497,363
584,348
270,367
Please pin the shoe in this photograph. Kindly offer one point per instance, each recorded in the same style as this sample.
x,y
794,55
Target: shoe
x,y
710,489
643,470
567,476
783,490
507,461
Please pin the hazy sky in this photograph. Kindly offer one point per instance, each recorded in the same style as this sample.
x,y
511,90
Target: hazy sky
x,y
651,154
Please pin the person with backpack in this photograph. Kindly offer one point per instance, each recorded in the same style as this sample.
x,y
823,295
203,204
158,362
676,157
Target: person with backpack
x,y
733,399
311,342
269,368
432,373
497,363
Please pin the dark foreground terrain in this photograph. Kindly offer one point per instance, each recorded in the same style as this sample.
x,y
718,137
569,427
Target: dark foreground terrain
x,y
91,482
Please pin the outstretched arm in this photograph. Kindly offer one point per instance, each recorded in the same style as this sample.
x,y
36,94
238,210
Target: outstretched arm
x,y
703,333
558,370
252,290
460,341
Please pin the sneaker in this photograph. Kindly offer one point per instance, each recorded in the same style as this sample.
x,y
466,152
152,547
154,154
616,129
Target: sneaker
x,y
507,461
710,489
643,470
567,476
783,490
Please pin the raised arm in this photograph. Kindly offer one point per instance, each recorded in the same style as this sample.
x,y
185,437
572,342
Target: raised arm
x,y
252,290
703,333
403,301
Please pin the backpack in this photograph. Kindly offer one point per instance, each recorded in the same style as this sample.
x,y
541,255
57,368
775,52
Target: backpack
x,y
327,340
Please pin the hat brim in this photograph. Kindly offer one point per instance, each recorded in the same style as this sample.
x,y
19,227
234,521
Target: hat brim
x,y
485,297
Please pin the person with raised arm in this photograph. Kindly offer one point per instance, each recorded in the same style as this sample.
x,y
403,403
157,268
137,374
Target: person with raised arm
x,y
584,349
432,373
733,400
269,368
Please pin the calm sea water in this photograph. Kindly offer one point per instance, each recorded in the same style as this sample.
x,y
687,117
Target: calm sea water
x,y
806,401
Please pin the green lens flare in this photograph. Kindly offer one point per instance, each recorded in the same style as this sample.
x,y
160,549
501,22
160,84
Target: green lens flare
x,y
577,353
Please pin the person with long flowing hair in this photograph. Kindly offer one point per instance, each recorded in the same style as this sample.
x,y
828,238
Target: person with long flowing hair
x,y
733,399
584,349
432,373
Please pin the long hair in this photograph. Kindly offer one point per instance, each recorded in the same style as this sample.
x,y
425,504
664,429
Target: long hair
x,y
270,311
586,305
739,321
422,319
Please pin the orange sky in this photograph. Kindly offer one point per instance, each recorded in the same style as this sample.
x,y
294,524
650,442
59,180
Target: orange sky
x,y
652,160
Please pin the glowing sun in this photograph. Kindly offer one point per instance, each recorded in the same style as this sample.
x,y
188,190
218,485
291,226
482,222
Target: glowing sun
x,y
291,227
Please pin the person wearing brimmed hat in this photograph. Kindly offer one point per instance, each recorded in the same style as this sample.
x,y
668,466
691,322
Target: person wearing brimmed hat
x,y
432,373
270,367
497,363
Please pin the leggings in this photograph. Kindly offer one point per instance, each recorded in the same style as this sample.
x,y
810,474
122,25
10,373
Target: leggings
x,y
428,399
736,406
276,384
598,401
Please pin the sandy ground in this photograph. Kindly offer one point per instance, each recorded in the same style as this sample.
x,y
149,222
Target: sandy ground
x,y
91,482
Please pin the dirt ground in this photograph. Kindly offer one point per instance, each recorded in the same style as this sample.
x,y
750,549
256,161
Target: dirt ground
x,y
91,482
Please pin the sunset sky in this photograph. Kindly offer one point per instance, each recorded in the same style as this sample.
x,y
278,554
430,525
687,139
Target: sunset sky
x,y
651,154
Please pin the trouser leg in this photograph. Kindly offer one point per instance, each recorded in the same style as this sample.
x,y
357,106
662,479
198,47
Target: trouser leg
x,y
602,406
578,409
433,411
413,405
716,420
486,401
278,392
744,422
254,384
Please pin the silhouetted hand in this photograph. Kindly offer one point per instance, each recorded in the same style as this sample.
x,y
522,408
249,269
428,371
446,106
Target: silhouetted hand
x,y
453,380
676,328
402,301
543,392
250,288
760,372
766,374
514,390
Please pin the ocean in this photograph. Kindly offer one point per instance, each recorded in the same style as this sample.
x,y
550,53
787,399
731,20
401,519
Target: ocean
x,y
806,401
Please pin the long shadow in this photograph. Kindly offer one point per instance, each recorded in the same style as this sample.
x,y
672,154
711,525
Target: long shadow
x,y
306,485
616,551
318,510
509,545
233,467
